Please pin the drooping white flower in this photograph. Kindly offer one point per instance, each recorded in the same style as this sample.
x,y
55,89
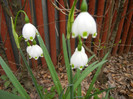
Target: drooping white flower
x,y
79,59
84,25
34,51
29,31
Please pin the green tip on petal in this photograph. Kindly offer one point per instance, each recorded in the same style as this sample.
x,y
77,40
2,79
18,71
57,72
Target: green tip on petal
x,y
31,38
84,34
35,57
72,66
73,34
94,35
42,55
25,39
29,57
81,67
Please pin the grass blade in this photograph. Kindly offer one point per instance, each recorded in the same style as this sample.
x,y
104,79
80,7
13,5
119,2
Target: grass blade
x,y
85,73
98,92
95,77
79,86
75,77
31,74
66,58
50,65
7,95
13,79
70,19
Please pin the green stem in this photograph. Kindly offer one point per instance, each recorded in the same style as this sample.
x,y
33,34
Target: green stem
x,y
71,76
34,42
80,43
32,76
71,82
69,48
26,17
79,87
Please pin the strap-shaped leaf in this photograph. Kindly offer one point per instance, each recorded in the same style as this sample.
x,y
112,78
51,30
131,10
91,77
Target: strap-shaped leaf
x,y
95,77
50,65
85,73
70,19
7,95
13,79
88,68
67,64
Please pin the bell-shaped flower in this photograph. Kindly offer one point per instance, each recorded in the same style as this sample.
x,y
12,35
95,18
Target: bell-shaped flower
x,y
84,25
34,51
79,59
29,31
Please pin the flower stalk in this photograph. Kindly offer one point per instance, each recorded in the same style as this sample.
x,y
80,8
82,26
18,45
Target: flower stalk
x,y
26,18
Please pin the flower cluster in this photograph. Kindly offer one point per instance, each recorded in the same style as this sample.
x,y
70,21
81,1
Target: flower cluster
x,y
29,32
83,25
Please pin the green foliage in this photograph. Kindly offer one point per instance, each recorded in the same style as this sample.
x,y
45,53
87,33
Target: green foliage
x,y
15,34
13,79
50,94
8,84
95,76
50,65
7,95
70,19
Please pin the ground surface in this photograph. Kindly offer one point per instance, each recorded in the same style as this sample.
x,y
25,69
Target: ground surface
x,y
117,72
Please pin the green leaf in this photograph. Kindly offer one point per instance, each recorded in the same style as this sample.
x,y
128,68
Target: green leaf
x,y
4,77
31,74
79,86
6,84
14,91
7,95
60,96
70,19
91,58
85,73
75,77
50,65
98,92
15,34
13,79
95,76
67,64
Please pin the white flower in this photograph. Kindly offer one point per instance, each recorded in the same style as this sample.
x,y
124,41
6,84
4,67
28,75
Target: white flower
x,y
84,25
79,59
29,31
34,51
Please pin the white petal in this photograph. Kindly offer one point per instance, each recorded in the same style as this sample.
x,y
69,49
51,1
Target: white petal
x,y
35,52
84,25
79,58
28,49
29,31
